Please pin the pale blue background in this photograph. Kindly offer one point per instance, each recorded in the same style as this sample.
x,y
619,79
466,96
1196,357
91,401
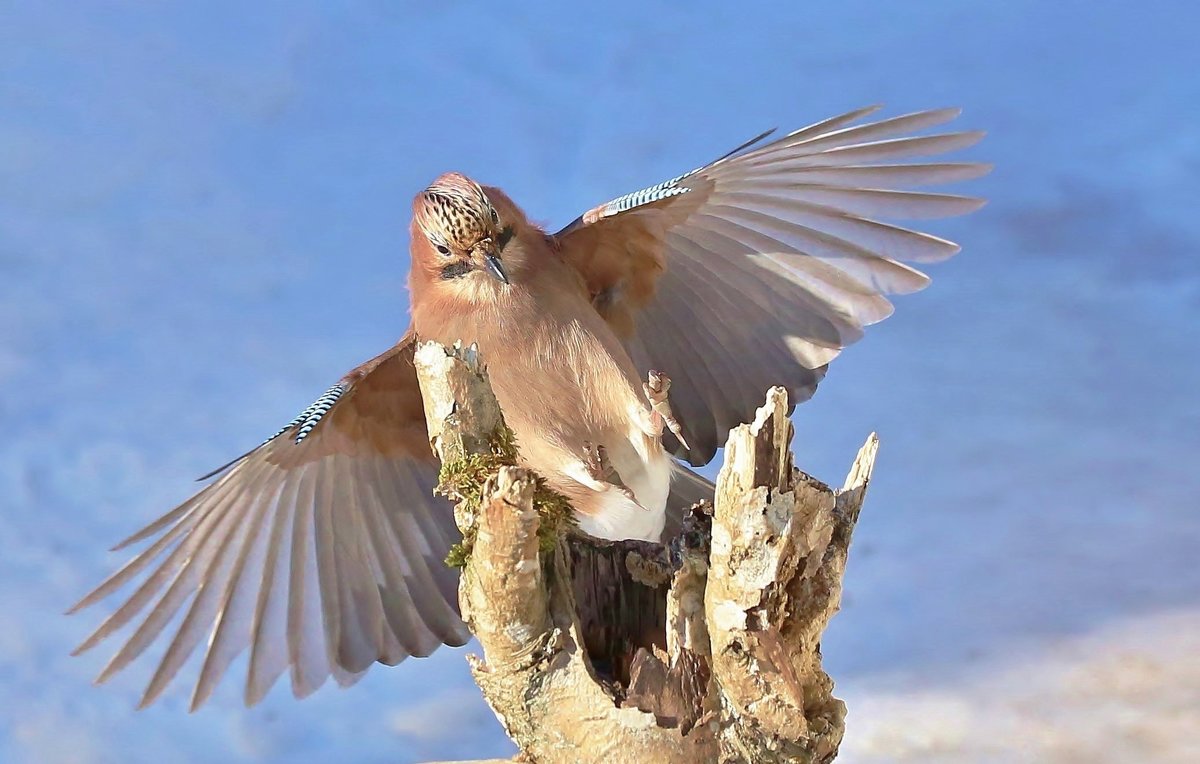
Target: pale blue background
x,y
203,212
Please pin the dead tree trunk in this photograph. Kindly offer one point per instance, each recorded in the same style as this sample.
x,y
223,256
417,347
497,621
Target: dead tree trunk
x,y
706,649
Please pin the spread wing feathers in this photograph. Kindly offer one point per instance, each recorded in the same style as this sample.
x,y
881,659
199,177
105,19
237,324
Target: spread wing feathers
x,y
321,551
757,269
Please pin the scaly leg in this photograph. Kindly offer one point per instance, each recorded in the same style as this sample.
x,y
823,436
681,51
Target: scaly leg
x,y
656,388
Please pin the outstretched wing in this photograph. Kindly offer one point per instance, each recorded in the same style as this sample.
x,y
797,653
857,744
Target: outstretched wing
x,y
320,551
757,269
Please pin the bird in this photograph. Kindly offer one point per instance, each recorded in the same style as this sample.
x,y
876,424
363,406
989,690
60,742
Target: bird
x,y
622,349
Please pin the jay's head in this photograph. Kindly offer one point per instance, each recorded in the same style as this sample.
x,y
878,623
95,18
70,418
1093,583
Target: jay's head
x,y
463,233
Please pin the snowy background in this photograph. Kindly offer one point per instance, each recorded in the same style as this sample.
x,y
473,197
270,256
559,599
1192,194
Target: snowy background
x,y
203,224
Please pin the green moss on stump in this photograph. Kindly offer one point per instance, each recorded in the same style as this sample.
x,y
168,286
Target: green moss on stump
x,y
462,480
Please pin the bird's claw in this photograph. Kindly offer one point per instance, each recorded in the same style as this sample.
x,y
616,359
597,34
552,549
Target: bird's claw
x,y
597,463
600,468
656,388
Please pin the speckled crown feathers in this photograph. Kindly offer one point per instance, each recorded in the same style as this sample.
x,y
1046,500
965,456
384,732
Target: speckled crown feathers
x,y
454,211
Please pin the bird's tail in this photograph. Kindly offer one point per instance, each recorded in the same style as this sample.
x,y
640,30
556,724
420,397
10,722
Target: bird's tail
x,y
687,488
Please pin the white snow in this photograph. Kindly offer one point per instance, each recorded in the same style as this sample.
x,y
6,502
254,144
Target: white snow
x,y
203,218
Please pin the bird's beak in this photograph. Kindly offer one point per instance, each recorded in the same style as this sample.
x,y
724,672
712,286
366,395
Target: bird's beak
x,y
487,251
495,267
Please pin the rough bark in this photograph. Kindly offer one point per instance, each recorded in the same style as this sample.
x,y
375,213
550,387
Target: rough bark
x,y
705,649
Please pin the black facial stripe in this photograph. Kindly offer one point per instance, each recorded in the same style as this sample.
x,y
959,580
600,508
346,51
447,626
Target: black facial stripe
x,y
505,237
457,269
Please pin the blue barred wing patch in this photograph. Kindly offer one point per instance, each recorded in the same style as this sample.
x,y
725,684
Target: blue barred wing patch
x,y
311,416
658,191
651,194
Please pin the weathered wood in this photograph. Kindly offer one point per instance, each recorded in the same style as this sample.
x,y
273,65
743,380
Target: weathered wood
x,y
461,411
620,590
706,649
779,544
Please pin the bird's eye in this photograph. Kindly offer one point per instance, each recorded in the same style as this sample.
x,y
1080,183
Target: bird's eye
x,y
443,250
495,216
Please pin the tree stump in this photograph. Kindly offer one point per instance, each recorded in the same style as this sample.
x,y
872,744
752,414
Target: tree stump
x,y
703,649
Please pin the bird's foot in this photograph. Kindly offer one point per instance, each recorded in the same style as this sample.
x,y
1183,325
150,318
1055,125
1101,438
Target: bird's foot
x,y
596,461
600,468
656,388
